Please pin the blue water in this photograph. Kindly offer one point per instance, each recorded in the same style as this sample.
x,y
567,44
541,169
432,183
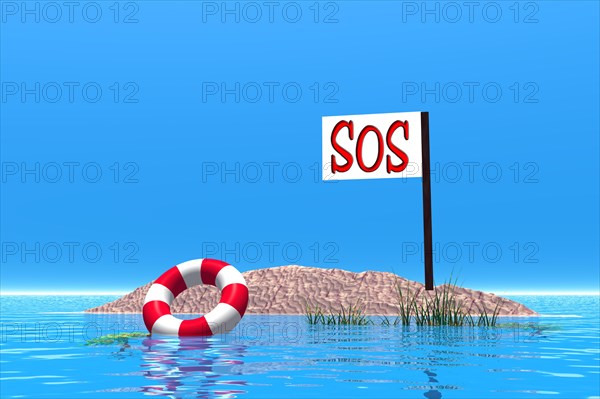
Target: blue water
x,y
43,356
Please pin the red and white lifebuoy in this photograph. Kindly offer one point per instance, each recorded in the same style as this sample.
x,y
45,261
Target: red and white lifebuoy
x,y
224,317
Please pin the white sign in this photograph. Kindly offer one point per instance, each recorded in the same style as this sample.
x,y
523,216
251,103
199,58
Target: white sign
x,y
375,146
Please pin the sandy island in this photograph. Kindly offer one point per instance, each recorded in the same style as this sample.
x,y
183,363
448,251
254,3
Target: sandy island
x,y
287,290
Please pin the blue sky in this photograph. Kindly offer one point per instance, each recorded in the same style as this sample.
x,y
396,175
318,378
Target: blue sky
x,y
206,137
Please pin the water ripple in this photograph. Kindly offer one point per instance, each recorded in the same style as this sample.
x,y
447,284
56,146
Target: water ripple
x,y
344,362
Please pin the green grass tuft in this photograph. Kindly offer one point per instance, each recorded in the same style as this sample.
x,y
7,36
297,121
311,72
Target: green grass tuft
x,y
386,321
353,315
441,308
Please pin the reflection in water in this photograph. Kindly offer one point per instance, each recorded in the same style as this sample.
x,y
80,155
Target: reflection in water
x,y
432,393
192,366
468,338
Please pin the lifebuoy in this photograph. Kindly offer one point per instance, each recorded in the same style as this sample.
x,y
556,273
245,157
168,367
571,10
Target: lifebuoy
x,y
224,317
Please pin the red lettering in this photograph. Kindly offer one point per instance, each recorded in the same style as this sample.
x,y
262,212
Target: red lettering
x,y
345,154
359,148
397,151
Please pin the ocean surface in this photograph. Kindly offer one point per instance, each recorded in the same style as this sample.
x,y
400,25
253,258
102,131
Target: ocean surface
x,y
43,355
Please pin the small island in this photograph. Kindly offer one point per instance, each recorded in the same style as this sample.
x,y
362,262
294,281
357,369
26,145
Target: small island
x,y
290,290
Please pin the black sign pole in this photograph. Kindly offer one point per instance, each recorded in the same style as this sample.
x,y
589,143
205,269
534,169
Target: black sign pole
x,y
427,235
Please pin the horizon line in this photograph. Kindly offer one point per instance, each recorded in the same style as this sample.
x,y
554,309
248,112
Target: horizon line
x,y
95,293
61,293
548,293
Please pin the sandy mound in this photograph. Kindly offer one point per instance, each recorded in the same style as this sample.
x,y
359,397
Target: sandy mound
x,y
287,289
